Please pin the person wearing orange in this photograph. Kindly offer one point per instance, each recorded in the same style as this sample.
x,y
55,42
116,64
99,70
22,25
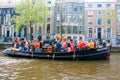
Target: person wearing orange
x,y
37,47
14,43
59,38
64,44
58,45
17,42
91,45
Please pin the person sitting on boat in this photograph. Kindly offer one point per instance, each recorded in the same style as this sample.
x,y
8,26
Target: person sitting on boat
x,y
37,47
87,44
83,45
71,46
104,43
47,41
92,45
22,44
26,46
29,45
96,43
64,44
58,44
75,44
53,46
16,43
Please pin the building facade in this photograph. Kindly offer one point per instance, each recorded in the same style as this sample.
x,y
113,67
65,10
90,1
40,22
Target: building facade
x,y
6,25
69,19
100,21
47,28
117,8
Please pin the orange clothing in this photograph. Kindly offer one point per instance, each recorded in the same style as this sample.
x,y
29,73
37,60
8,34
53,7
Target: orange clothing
x,y
36,45
59,38
91,45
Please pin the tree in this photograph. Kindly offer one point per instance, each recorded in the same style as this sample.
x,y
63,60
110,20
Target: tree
x,y
30,13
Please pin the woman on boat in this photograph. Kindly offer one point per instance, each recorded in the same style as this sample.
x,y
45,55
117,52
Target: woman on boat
x,y
26,45
64,44
71,46
58,44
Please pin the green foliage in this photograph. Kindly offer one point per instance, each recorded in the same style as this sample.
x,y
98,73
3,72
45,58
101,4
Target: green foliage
x,y
34,11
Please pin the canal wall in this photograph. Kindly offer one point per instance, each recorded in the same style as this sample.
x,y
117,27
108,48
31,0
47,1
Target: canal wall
x,y
4,45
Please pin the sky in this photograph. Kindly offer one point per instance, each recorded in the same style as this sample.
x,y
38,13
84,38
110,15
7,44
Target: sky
x,y
5,1
99,0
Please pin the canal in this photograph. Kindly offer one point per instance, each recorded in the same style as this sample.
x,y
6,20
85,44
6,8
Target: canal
x,y
36,69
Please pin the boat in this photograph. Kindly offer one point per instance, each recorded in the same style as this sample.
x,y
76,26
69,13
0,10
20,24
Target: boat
x,y
89,54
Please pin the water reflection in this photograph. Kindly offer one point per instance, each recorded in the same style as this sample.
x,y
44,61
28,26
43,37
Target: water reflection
x,y
34,69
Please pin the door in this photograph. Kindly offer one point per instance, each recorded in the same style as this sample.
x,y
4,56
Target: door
x,y
99,33
8,33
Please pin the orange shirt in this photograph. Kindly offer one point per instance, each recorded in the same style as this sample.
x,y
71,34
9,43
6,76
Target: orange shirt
x,y
91,45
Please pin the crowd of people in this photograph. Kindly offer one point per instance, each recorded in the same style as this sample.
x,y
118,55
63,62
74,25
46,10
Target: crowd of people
x,y
55,45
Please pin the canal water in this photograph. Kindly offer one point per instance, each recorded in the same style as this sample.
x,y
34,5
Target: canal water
x,y
36,69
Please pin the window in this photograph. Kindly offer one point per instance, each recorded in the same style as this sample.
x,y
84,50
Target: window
x,y
81,8
118,17
90,32
118,8
80,19
80,31
108,32
48,19
108,21
49,2
58,8
69,18
8,19
99,5
99,21
74,18
108,12
0,11
69,29
49,8
58,29
0,20
74,8
74,29
90,20
99,13
69,9
89,5
90,12
108,5
8,11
